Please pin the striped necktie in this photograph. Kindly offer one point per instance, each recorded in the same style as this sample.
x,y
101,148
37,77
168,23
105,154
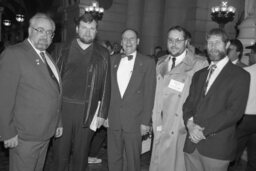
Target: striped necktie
x,y
211,70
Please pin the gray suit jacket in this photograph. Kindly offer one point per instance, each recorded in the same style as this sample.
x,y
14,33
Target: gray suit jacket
x,y
29,98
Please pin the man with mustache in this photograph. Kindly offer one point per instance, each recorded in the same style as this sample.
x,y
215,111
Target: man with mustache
x,y
216,102
174,74
30,89
86,83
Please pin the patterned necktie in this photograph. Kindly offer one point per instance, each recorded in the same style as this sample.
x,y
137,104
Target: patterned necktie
x,y
128,56
211,70
49,69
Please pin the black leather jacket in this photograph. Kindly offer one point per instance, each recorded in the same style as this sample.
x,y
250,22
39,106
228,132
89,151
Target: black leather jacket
x,y
98,82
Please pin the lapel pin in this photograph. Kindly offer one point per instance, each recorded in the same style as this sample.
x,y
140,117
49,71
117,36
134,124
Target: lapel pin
x,y
37,62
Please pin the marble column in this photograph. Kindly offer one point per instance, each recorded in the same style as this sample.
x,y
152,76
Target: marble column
x,y
152,23
1,12
135,10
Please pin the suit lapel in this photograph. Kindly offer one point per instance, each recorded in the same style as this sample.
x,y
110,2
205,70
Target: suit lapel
x,y
38,64
222,76
116,63
138,63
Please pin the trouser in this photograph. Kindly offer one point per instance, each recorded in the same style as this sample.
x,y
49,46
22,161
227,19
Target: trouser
x,y
70,151
197,162
246,135
122,143
28,155
98,139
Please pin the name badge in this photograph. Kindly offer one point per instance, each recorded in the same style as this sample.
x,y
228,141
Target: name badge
x,y
176,85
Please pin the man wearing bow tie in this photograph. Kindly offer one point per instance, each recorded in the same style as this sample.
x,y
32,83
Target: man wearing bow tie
x,y
30,89
132,96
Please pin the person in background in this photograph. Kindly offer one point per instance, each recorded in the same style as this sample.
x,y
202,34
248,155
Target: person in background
x,y
30,88
216,102
174,74
235,52
109,46
116,48
132,97
86,85
246,131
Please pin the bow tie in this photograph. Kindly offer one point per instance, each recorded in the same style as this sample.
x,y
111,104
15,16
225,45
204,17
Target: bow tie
x,y
128,56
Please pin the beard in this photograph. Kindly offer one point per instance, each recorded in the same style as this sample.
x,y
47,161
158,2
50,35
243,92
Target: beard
x,y
86,41
216,55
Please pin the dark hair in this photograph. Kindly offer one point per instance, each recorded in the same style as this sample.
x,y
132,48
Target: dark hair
x,y
239,47
107,43
218,32
86,17
180,29
130,29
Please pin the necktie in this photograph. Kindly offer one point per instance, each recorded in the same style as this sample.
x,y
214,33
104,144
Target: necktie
x,y
211,69
49,69
128,56
173,62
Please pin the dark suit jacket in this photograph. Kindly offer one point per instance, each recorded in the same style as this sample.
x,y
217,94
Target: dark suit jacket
x,y
218,111
29,98
241,64
135,108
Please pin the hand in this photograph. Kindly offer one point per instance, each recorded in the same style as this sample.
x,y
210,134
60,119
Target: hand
x,y
105,124
144,129
11,143
195,132
58,132
100,122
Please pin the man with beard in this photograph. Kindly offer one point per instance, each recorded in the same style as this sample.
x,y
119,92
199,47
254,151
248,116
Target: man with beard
x,y
30,97
216,102
86,89
174,74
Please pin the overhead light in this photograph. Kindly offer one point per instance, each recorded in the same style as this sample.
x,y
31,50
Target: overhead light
x,y
95,10
223,13
20,18
7,22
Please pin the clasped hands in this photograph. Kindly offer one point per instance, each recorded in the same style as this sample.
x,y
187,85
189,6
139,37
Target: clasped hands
x,y
195,132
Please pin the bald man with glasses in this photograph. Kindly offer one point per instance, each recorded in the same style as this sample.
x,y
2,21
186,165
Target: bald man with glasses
x,y
30,89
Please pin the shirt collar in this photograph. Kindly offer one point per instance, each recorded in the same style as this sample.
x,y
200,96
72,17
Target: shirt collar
x,y
180,58
134,54
37,51
235,61
220,64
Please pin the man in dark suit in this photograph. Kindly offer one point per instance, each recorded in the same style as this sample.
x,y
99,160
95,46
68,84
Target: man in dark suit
x,y
30,97
215,104
86,92
235,52
133,80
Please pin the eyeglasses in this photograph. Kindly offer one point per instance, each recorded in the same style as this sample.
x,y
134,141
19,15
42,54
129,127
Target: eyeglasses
x,y
41,31
175,41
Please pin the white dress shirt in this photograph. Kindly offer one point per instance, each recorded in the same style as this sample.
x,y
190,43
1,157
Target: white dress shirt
x,y
220,65
124,72
178,60
250,107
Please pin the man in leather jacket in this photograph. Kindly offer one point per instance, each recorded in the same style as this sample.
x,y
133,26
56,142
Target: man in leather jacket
x,y
86,89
